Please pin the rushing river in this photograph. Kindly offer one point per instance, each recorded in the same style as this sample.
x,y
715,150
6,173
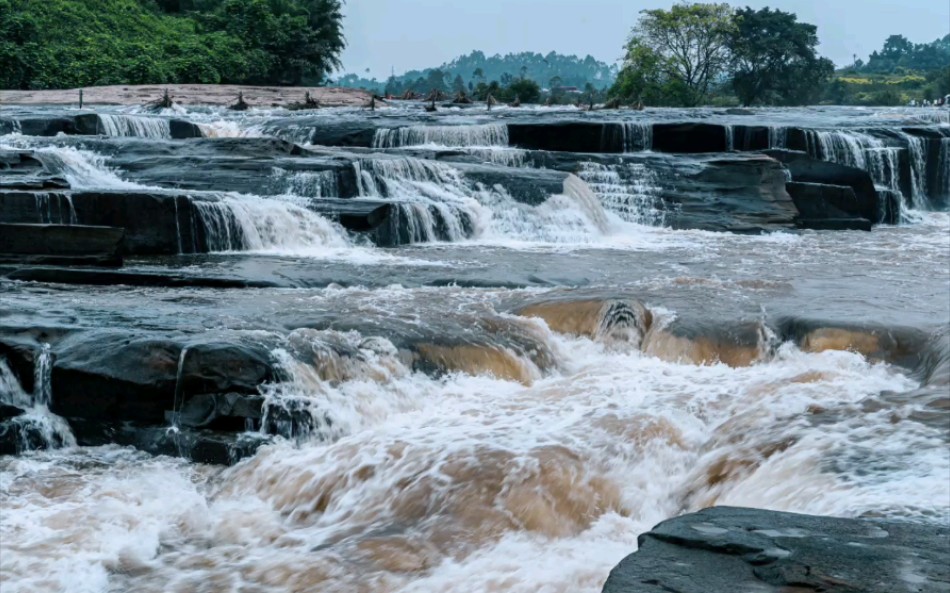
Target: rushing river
x,y
507,402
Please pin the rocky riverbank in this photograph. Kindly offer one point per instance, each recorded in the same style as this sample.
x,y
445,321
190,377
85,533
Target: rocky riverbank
x,y
726,549
189,95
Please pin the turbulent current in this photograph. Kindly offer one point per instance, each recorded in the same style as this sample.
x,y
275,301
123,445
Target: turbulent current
x,y
464,362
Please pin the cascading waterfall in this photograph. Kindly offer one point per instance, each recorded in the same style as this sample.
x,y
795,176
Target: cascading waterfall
x,y
856,149
943,168
309,184
235,222
730,137
36,427
917,154
135,126
83,169
55,208
637,136
434,199
477,135
778,137
633,196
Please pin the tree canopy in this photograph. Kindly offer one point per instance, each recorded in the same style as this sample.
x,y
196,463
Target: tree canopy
x,y
72,43
774,59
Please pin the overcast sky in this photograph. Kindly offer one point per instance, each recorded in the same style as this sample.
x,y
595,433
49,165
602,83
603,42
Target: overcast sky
x,y
416,34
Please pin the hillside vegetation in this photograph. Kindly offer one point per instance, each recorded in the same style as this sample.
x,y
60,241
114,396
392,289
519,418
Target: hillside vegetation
x,y
72,43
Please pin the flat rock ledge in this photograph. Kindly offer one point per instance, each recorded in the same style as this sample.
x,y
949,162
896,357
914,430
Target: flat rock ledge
x,y
731,550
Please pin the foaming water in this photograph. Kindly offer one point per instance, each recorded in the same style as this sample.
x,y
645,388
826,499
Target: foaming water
x,y
480,135
135,126
463,483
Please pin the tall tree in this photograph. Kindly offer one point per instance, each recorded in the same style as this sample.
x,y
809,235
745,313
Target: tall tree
x,y
689,44
774,59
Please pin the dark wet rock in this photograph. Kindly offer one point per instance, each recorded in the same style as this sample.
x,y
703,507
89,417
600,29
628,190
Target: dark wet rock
x,y
61,244
199,446
529,186
20,170
726,549
109,277
116,376
826,207
700,341
834,224
804,168
566,136
689,137
83,124
897,345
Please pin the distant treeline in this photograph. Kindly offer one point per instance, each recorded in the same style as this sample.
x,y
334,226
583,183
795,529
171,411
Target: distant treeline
x,y
476,70
73,43
901,71
704,53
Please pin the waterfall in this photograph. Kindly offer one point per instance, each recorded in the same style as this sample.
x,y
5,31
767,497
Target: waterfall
x,y
82,169
856,149
633,197
478,135
310,184
235,222
943,168
636,136
917,155
437,203
778,136
36,427
135,126
730,137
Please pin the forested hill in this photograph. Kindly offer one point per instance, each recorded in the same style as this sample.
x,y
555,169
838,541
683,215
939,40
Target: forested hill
x,y
74,43
552,69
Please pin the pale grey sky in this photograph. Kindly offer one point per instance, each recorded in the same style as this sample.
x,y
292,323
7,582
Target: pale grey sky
x,y
416,34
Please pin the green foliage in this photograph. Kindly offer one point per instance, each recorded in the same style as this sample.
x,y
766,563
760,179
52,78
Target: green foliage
x,y
75,43
774,59
898,55
675,56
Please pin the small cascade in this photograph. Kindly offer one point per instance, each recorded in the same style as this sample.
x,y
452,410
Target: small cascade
x,y
309,184
436,202
586,201
943,169
633,197
334,383
135,126
247,223
478,135
82,169
55,208
917,154
637,136
36,427
778,137
730,137
506,157
856,149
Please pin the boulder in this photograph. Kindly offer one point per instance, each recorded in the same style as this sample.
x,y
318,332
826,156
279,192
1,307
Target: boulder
x,y
61,244
118,376
727,549
804,168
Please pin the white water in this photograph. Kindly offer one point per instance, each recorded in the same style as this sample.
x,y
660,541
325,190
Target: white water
x,y
472,483
633,197
135,125
917,154
478,135
637,136
37,426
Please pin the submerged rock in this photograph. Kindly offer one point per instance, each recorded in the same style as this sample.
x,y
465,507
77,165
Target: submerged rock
x,y
727,549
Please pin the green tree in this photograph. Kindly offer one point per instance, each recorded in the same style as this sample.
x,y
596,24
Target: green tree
x,y
774,58
524,89
685,49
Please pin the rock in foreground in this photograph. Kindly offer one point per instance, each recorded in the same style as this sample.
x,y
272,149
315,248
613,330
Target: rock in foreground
x,y
727,549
